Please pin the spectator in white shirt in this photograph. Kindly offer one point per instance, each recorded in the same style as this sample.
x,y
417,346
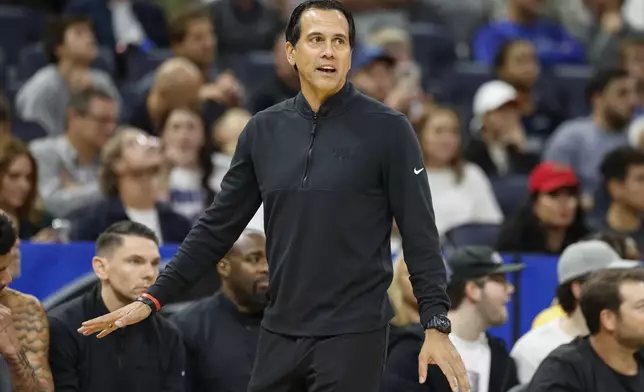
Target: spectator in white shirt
x,y
461,192
575,264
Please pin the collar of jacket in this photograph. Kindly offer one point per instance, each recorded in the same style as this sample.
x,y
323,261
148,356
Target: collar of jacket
x,y
334,105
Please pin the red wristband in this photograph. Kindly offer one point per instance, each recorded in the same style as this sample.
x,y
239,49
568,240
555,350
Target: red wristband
x,y
151,298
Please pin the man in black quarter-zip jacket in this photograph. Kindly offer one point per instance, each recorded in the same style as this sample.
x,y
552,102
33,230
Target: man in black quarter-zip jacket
x,y
333,168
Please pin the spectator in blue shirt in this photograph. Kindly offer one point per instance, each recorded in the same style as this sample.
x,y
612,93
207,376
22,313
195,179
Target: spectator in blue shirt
x,y
554,44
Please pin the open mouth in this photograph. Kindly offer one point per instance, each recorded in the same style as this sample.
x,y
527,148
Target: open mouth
x,y
327,69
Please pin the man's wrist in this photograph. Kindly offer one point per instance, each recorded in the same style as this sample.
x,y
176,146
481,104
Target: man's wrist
x,y
440,323
150,301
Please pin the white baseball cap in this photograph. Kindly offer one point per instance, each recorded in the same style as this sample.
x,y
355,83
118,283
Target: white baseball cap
x,y
584,257
492,95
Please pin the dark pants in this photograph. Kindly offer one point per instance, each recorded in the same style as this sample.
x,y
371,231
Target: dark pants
x,y
343,363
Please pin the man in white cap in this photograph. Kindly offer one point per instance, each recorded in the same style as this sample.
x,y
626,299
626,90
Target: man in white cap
x,y
500,146
576,263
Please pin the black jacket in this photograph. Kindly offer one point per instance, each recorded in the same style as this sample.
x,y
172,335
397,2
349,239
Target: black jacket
x,y
401,373
331,182
145,357
220,344
575,367
90,222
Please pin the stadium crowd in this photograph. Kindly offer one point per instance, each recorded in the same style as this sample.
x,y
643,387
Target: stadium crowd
x,y
120,118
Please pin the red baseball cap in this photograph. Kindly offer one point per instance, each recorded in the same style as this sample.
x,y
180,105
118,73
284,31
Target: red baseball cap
x,y
550,176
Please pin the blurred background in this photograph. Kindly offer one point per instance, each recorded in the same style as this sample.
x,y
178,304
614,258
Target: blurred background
x,y
529,114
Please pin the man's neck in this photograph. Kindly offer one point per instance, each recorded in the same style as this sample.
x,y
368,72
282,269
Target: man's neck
x,y
467,324
69,67
110,299
518,15
86,154
575,324
230,295
314,98
134,199
618,357
621,218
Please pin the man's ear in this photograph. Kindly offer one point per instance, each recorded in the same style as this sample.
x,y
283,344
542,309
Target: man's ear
x,y
290,53
472,291
223,268
99,264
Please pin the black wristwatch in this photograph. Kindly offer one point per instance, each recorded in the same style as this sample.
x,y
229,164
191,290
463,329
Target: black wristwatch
x,y
148,302
440,322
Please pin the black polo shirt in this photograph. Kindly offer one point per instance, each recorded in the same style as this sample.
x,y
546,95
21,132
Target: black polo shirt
x,y
220,344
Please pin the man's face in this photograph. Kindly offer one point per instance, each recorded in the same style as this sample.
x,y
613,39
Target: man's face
x,y
377,80
199,43
79,44
521,68
495,293
618,101
99,123
323,52
629,329
634,62
131,267
247,271
630,191
502,120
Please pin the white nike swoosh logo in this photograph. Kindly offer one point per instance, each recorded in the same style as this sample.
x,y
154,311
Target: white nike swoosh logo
x,y
419,170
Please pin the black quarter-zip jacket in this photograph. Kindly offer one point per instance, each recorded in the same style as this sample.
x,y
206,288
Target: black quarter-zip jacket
x,y
331,182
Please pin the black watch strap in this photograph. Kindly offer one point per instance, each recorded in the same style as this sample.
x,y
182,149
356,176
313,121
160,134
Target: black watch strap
x,y
439,322
148,302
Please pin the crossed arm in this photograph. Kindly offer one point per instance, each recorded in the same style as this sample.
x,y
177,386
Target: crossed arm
x,y
30,366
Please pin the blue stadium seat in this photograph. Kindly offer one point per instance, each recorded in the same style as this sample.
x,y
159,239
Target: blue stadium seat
x,y
572,81
27,130
471,234
33,57
511,193
139,64
18,27
434,49
251,68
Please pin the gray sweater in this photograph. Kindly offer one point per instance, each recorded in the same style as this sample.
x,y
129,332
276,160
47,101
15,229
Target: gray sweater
x,y
44,97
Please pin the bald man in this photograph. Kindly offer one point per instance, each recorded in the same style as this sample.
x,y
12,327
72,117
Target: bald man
x,y
221,332
177,83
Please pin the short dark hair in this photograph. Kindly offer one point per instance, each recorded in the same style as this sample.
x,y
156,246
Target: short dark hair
x,y
56,33
294,29
180,22
112,237
601,80
456,289
8,235
616,163
81,99
602,292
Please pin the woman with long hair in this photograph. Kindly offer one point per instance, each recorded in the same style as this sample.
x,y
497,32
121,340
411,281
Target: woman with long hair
x,y
186,183
461,193
552,218
19,194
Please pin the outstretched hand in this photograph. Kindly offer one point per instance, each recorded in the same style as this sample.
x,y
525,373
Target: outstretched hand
x,y
439,350
120,318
